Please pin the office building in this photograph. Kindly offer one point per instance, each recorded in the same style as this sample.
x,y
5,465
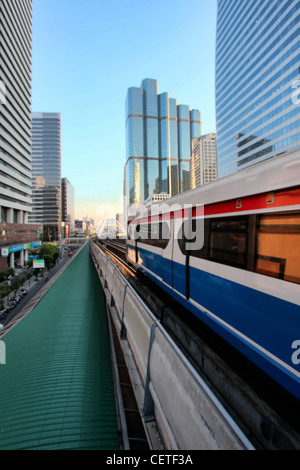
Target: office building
x,y
80,227
257,67
159,133
16,235
46,174
203,161
67,208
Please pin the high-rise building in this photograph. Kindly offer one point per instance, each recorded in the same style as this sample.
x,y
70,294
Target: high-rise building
x,y
257,67
159,133
67,207
46,174
203,161
16,235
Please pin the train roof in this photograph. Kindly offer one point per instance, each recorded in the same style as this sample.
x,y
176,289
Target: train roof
x,y
277,173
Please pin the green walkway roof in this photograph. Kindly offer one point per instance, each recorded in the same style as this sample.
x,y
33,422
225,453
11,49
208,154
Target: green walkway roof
x,y
56,389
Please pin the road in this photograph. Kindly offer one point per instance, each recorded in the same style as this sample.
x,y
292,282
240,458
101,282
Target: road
x,y
33,290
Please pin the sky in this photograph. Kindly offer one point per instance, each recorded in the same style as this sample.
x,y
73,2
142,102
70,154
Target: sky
x,y
87,53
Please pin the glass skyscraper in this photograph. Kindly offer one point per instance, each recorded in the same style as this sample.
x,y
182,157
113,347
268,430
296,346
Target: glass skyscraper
x,y
159,132
46,173
257,68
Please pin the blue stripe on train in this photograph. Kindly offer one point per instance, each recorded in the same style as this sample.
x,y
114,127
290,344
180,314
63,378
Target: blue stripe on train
x,y
272,323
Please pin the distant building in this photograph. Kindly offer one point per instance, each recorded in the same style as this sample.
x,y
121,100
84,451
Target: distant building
x,y
67,207
204,160
17,236
156,198
46,174
159,133
257,71
80,226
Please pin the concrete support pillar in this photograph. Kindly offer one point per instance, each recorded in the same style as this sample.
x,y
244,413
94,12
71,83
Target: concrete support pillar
x,y
20,217
22,258
25,256
10,216
12,260
25,215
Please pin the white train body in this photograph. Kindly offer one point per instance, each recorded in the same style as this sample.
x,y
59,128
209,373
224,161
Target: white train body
x,y
244,282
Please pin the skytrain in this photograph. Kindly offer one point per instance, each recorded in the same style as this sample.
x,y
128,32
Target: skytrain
x,y
242,276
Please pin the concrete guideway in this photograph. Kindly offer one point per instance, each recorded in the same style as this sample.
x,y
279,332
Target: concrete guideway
x,y
56,387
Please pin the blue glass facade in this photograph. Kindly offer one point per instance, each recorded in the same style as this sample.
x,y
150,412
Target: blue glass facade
x,y
158,142
135,156
184,142
169,145
46,173
151,132
257,66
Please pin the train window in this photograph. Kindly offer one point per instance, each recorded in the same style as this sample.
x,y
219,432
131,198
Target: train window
x,y
228,241
278,246
182,240
131,232
142,230
155,234
153,231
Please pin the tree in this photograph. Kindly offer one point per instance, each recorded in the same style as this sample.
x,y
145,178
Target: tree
x,y
5,274
36,273
50,253
16,284
4,291
48,261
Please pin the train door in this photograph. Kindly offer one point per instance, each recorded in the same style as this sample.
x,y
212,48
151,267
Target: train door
x,y
167,256
179,254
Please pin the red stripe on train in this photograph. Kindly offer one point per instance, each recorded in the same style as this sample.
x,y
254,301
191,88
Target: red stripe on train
x,y
278,199
251,203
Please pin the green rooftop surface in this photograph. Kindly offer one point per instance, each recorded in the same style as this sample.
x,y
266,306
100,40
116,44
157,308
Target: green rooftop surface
x,y
56,389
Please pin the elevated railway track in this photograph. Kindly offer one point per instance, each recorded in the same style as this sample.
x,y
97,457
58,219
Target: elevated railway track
x,y
266,414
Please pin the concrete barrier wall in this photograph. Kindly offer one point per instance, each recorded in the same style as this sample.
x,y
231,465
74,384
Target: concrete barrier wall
x,y
195,416
138,327
188,415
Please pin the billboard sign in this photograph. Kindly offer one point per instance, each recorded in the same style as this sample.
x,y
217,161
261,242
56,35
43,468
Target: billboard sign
x,y
4,252
39,263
